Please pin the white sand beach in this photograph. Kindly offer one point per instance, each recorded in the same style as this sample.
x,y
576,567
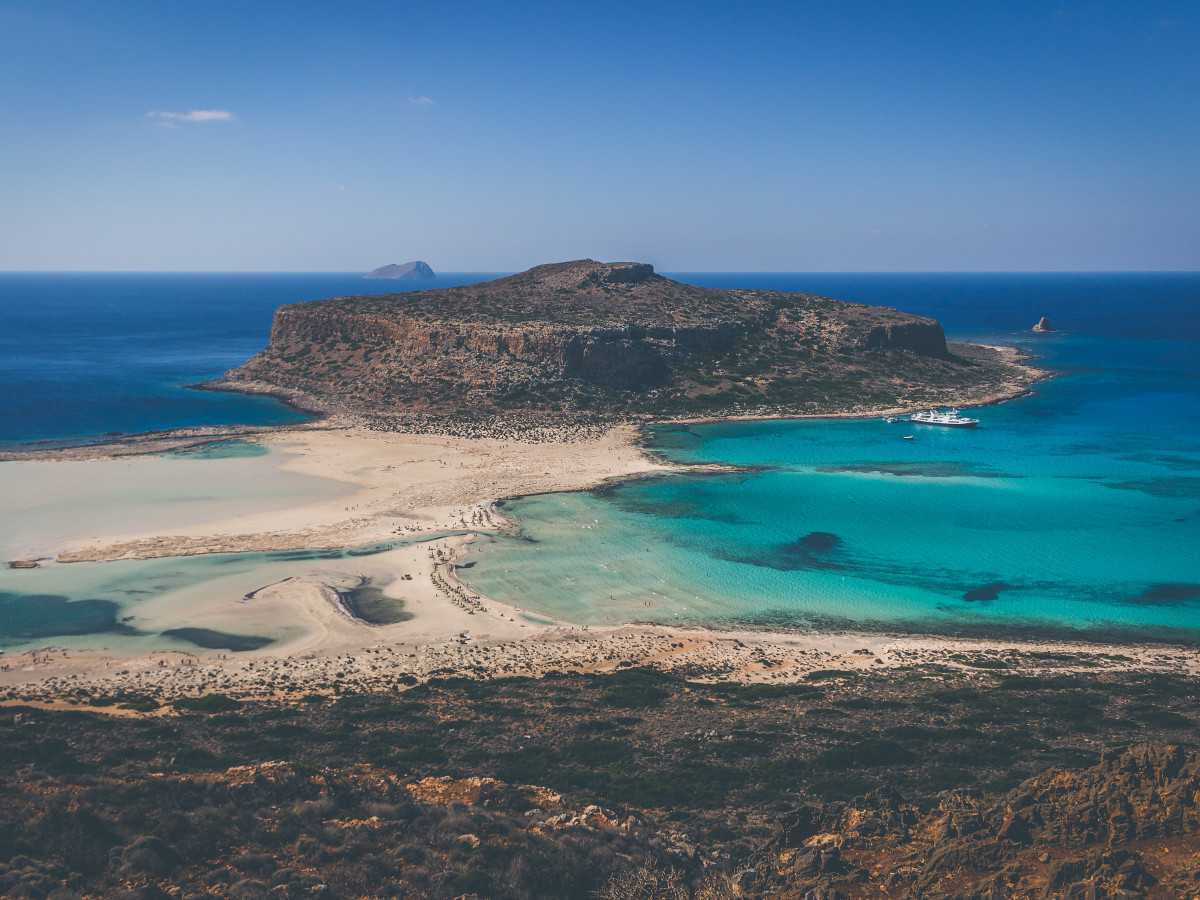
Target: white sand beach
x,y
393,484
361,487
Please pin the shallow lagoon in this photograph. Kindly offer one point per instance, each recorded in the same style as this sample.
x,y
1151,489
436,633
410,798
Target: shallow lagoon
x,y
137,605
44,504
1073,512
183,603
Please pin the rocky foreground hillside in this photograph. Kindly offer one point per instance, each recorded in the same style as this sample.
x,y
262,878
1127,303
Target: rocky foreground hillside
x,y
926,783
586,340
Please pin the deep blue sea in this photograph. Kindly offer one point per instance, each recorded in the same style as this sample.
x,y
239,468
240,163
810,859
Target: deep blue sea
x,y
1072,512
88,354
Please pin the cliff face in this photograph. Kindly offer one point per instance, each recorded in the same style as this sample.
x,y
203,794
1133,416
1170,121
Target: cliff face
x,y
627,356
594,338
923,337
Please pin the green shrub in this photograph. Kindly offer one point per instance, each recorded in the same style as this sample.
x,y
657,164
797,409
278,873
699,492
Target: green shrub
x,y
636,688
829,675
865,754
207,703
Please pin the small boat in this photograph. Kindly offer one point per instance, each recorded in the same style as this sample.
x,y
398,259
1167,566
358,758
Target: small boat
x,y
891,420
949,419
907,437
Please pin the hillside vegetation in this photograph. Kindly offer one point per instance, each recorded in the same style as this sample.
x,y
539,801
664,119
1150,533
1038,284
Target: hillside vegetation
x,y
927,783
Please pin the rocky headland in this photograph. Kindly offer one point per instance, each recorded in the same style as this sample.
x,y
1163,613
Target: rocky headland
x,y
585,341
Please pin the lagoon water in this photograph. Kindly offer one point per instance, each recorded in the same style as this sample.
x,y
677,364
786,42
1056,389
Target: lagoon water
x,y
181,603
1075,511
46,504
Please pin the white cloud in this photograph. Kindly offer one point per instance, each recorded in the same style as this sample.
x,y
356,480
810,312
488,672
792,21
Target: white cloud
x,y
421,101
195,115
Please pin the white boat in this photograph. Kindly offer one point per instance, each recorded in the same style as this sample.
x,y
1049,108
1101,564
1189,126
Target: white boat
x,y
949,419
890,419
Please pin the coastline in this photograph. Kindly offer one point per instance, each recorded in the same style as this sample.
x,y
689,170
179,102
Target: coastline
x,y
1019,388
411,485
446,641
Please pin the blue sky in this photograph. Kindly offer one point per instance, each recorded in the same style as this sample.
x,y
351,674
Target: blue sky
x,y
799,136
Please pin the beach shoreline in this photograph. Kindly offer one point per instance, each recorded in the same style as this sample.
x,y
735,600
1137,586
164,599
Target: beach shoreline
x,y
408,485
496,641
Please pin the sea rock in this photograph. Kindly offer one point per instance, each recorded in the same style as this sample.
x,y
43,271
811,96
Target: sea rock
x,y
23,564
1042,325
409,270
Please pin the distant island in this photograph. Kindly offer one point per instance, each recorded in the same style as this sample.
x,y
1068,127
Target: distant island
x,y
586,341
415,270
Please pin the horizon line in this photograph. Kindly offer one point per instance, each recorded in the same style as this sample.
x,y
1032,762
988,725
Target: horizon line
x,y
449,272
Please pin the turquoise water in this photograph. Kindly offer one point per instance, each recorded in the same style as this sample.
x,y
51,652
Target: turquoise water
x,y
1071,513
236,449
135,606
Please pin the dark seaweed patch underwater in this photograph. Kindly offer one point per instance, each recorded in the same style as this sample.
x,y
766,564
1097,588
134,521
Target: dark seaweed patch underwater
x,y
26,617
218,640
1168,594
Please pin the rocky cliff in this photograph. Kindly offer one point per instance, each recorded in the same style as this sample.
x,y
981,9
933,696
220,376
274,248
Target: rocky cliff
x,y
601,339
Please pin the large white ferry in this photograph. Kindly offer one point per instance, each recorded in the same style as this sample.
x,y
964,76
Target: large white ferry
x,y
950,419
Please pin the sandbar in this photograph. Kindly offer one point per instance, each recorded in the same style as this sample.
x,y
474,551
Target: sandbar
x,y
433,493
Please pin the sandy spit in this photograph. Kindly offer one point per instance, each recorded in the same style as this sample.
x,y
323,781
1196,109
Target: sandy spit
x,y
416,484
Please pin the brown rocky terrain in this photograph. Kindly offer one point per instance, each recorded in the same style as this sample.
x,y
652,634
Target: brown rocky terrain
x,y
589,341
1127,827
926,784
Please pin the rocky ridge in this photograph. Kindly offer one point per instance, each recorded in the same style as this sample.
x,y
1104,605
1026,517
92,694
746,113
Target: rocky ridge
x,y
588,340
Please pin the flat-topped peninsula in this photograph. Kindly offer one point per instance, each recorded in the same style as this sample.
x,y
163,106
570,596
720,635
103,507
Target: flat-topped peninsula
x,y
596,342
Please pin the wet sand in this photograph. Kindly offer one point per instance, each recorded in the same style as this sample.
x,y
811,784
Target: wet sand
x,y
397,484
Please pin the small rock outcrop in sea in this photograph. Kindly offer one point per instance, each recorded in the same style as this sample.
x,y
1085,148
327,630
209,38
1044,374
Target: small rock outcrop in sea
x,y
1042,325
23,564
415,270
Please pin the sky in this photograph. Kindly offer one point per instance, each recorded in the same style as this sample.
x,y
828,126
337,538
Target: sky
x,y
486,137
